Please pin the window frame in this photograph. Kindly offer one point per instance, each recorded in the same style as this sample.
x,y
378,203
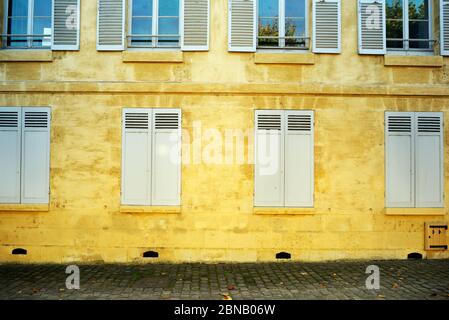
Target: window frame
x,y
281,12
30,27
154,27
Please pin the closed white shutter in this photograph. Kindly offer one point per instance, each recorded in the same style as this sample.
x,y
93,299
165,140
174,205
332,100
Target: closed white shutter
x,y
371,24
400,166
111,25
269,159
242,25
136,156
429,159
299,159
444,27
66,25
195,35
35,155
166,176
10,141
326,26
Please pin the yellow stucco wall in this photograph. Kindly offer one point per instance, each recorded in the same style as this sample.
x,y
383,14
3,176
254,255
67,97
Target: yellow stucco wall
x,y
217,222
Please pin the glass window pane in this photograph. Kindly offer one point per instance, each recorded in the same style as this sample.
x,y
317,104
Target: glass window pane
x,y
17,26
395,31
294,8
42,8
394,9
141,26
18,8
419,30
142,8
268,8
168,26
418,9
294,28
268,27
169,8
38,28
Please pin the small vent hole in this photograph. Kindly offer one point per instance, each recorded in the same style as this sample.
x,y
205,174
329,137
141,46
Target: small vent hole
x,y
151,254
19,251
414,256
283,255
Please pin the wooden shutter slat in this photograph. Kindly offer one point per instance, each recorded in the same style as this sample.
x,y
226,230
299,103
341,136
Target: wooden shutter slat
x,y
444,27
326,26
242,25
111,25
371,40
196,25
65,35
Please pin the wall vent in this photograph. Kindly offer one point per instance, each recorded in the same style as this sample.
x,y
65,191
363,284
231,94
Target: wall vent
x,y
19,251
436,236
151,254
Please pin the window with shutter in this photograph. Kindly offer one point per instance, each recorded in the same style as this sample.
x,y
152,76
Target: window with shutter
x,y
371,22
195,36
242,25
66,19
326,26
110,25
444,27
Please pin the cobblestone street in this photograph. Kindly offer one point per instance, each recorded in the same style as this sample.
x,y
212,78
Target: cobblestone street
x,y
420,279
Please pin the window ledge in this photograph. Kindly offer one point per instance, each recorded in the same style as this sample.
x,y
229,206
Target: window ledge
x,y
153,56
415,211
8,55
413,61
150,209
25,207
284,58
283,211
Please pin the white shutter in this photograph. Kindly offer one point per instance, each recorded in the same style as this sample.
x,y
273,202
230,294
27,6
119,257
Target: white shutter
x,y
166,177
111,25
35,155
10,141
136,159
242,25
327,26
269,158
371,24
399,164
429,159
66,25
195,31
444,27
299,167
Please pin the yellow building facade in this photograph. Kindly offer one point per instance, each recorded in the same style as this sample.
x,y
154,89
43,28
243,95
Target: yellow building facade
x,y
349,93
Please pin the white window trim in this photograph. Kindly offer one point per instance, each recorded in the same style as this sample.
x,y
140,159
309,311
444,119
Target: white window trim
x,y
282,29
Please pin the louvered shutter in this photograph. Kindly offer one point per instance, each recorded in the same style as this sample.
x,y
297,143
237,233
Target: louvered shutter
x,y
299,159
242,25
10,141
400,164
444,27
269,159
371,24
195,35
166,177
111,25
326,26
136,156
429,159
35,155
66,25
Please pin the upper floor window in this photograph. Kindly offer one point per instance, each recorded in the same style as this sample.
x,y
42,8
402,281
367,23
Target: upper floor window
x,y
282,24
408,25
154,23
28,24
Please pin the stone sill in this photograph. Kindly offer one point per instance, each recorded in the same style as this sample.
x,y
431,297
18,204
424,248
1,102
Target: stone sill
x,y
413,61
283,211
284,58
26,55
415,211
24,207
153,56
150,209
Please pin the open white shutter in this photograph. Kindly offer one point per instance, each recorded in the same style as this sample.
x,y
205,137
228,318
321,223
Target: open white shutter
x,y
195,31
66,25
242,25
299,159
429,159
372,29
136,156
399,164
444,27
35,155
111,25
166,176
326,26
10,141
269,159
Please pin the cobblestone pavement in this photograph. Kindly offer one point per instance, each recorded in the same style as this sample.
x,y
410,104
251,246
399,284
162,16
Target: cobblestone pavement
x,y
422,279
